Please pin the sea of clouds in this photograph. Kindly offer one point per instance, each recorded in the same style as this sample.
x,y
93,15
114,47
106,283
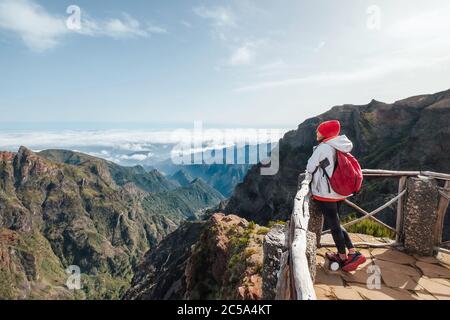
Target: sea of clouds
x,y
131,147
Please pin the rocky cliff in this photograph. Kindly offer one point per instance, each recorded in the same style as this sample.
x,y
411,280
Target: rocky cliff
x,y
216,259
60,208
410,134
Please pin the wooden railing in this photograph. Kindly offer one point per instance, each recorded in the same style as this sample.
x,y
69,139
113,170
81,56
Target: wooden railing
x,y
301,282
294,281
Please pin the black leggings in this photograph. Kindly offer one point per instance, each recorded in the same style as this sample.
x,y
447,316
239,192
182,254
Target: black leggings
x,y
330,211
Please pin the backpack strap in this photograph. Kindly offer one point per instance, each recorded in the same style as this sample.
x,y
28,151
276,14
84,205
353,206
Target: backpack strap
x,y
323,164
328,179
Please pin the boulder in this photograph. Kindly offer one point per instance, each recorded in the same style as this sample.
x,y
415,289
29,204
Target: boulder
x,y
273,247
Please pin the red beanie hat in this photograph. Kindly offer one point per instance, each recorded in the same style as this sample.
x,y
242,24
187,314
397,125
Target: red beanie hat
x,y
329,129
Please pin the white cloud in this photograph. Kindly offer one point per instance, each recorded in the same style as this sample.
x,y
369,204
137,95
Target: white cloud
x,y
373,70
320,46
414,43
219,16
136,157
428,24
243,55
37,28
423,35
122,139
186,23
156,29
118,28
41,30
129,147
273,65
127,140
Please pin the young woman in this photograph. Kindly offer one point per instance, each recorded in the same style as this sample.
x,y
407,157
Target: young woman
x,y
321,164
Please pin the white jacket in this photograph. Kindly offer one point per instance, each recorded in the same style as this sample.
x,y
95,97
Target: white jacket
x,y
326,150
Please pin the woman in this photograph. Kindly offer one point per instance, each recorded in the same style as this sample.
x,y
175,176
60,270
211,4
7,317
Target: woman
x,y
321,165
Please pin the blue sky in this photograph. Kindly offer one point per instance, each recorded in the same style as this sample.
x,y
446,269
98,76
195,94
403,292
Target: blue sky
x,y
229,63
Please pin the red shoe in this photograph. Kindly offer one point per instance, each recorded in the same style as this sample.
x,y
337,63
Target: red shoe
x,y
333,256
353,261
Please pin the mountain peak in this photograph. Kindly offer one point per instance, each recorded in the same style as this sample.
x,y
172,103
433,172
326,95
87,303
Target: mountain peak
x,y
182,177
374,101
198,181
24,151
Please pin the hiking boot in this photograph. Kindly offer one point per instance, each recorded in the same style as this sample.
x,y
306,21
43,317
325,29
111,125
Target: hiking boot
x,y
335,262
333,256
353,261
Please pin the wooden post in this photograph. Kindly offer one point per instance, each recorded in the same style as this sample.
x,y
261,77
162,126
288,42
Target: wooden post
x,y
292,290
304,287
400,217
441,210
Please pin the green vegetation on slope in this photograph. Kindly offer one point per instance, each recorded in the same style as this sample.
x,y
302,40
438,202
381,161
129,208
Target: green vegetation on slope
x,y
368,226
74,209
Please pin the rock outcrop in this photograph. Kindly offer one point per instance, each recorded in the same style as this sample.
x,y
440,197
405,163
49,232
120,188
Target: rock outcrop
x,y
162,274
275,246
218,259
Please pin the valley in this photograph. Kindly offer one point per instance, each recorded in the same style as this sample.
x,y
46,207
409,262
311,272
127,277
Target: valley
x,y
62,208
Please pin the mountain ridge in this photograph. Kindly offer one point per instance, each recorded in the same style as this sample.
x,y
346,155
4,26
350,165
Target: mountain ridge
x,y
76,214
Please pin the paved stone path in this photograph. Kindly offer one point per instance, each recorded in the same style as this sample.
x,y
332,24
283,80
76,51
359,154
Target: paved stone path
x,y
403,277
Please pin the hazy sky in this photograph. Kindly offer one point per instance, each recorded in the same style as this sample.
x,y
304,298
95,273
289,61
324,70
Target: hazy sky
x,y
233,63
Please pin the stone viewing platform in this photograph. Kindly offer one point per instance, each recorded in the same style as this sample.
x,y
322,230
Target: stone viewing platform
x,y
403,276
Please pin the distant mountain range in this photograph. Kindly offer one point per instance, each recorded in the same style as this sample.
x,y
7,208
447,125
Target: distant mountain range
x,y
151,181
222,177
61,208
182,177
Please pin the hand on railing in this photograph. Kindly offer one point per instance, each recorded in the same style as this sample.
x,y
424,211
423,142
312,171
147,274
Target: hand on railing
x,y
304,178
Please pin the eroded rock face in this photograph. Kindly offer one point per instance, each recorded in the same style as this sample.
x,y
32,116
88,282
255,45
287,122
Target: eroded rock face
x,y
275,245
226,261
221,258
420,215
29,269
162,274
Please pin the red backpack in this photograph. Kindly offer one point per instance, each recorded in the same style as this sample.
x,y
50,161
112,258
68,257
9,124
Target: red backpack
x,y
347,176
